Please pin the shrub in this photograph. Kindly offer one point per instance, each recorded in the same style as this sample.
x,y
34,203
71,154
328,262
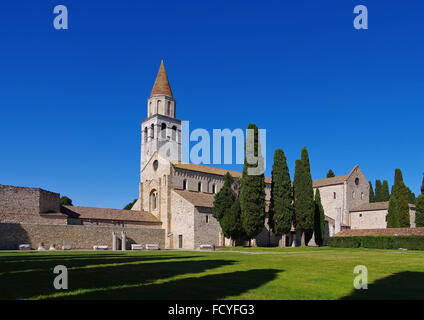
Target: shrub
x,y
379,242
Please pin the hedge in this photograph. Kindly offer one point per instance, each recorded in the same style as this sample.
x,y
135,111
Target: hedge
x,y
379,242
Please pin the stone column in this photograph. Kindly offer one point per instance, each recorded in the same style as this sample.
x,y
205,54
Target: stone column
x,y
282,242
124,241
294,239
114,241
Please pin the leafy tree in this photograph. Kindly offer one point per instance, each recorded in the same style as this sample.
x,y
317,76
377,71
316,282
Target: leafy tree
x,y
372,195
281,204
330,174
378,191
130,205
319,220
224,199
231,222
304,205
398,215
385,193
65,201
252,189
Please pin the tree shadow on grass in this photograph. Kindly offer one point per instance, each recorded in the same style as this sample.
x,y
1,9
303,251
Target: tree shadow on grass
x,y
35,283
209,287
400,286
48,262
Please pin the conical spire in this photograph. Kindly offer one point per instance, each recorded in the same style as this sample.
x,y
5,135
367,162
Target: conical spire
x,y
161,85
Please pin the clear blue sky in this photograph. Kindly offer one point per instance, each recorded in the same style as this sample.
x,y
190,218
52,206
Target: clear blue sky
x,y
72,100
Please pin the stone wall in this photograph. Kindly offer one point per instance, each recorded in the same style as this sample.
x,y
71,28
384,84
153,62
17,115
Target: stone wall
x,y
78,237
22,200
205,232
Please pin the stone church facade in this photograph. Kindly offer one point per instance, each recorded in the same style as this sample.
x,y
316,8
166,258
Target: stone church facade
x,y
174,206
181,195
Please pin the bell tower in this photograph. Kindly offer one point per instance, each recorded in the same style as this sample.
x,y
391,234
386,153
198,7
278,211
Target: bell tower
x,y
161,131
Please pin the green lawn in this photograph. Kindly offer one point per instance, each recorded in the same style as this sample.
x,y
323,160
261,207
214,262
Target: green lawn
x,y
252,273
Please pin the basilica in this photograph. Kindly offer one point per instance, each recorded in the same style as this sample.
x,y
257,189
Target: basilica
x,y
174,206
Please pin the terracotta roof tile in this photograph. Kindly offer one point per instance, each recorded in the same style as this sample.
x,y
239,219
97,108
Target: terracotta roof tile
x,y
161,85
198,199
381,232
375,206
109,214
211,170
329,181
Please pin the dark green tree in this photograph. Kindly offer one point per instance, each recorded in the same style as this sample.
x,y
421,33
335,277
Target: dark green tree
x,y
330,174
281,204
378,191
224,199
130,205
231,223
65,201
422,186
385,193
252,186
319,220
419,213
411,196
398,215
304,205
372,195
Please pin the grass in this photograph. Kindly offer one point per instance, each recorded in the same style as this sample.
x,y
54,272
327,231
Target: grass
x,y
231,273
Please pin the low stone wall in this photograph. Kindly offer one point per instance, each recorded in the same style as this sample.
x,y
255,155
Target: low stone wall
x,y
78,237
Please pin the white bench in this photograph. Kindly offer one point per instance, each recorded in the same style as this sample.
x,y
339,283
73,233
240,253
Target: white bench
x,y
208,247
100,247
136,247
24,246
66,247
151,246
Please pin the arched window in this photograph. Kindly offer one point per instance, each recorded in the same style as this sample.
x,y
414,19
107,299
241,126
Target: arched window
x,y
168,109
145,134
334,195
362,196
213,188
153,130
159,106
163,130
174,133
150,108
153,200
353,194
199,187
184,184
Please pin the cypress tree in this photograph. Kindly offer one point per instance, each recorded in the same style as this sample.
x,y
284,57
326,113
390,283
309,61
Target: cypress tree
x,y
372,195
330,174
422,186
398,215
385,193
224,199
378,191
304,205
419,213
127,207
252,189
319,220
231,222
281,204
66,201
411,196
